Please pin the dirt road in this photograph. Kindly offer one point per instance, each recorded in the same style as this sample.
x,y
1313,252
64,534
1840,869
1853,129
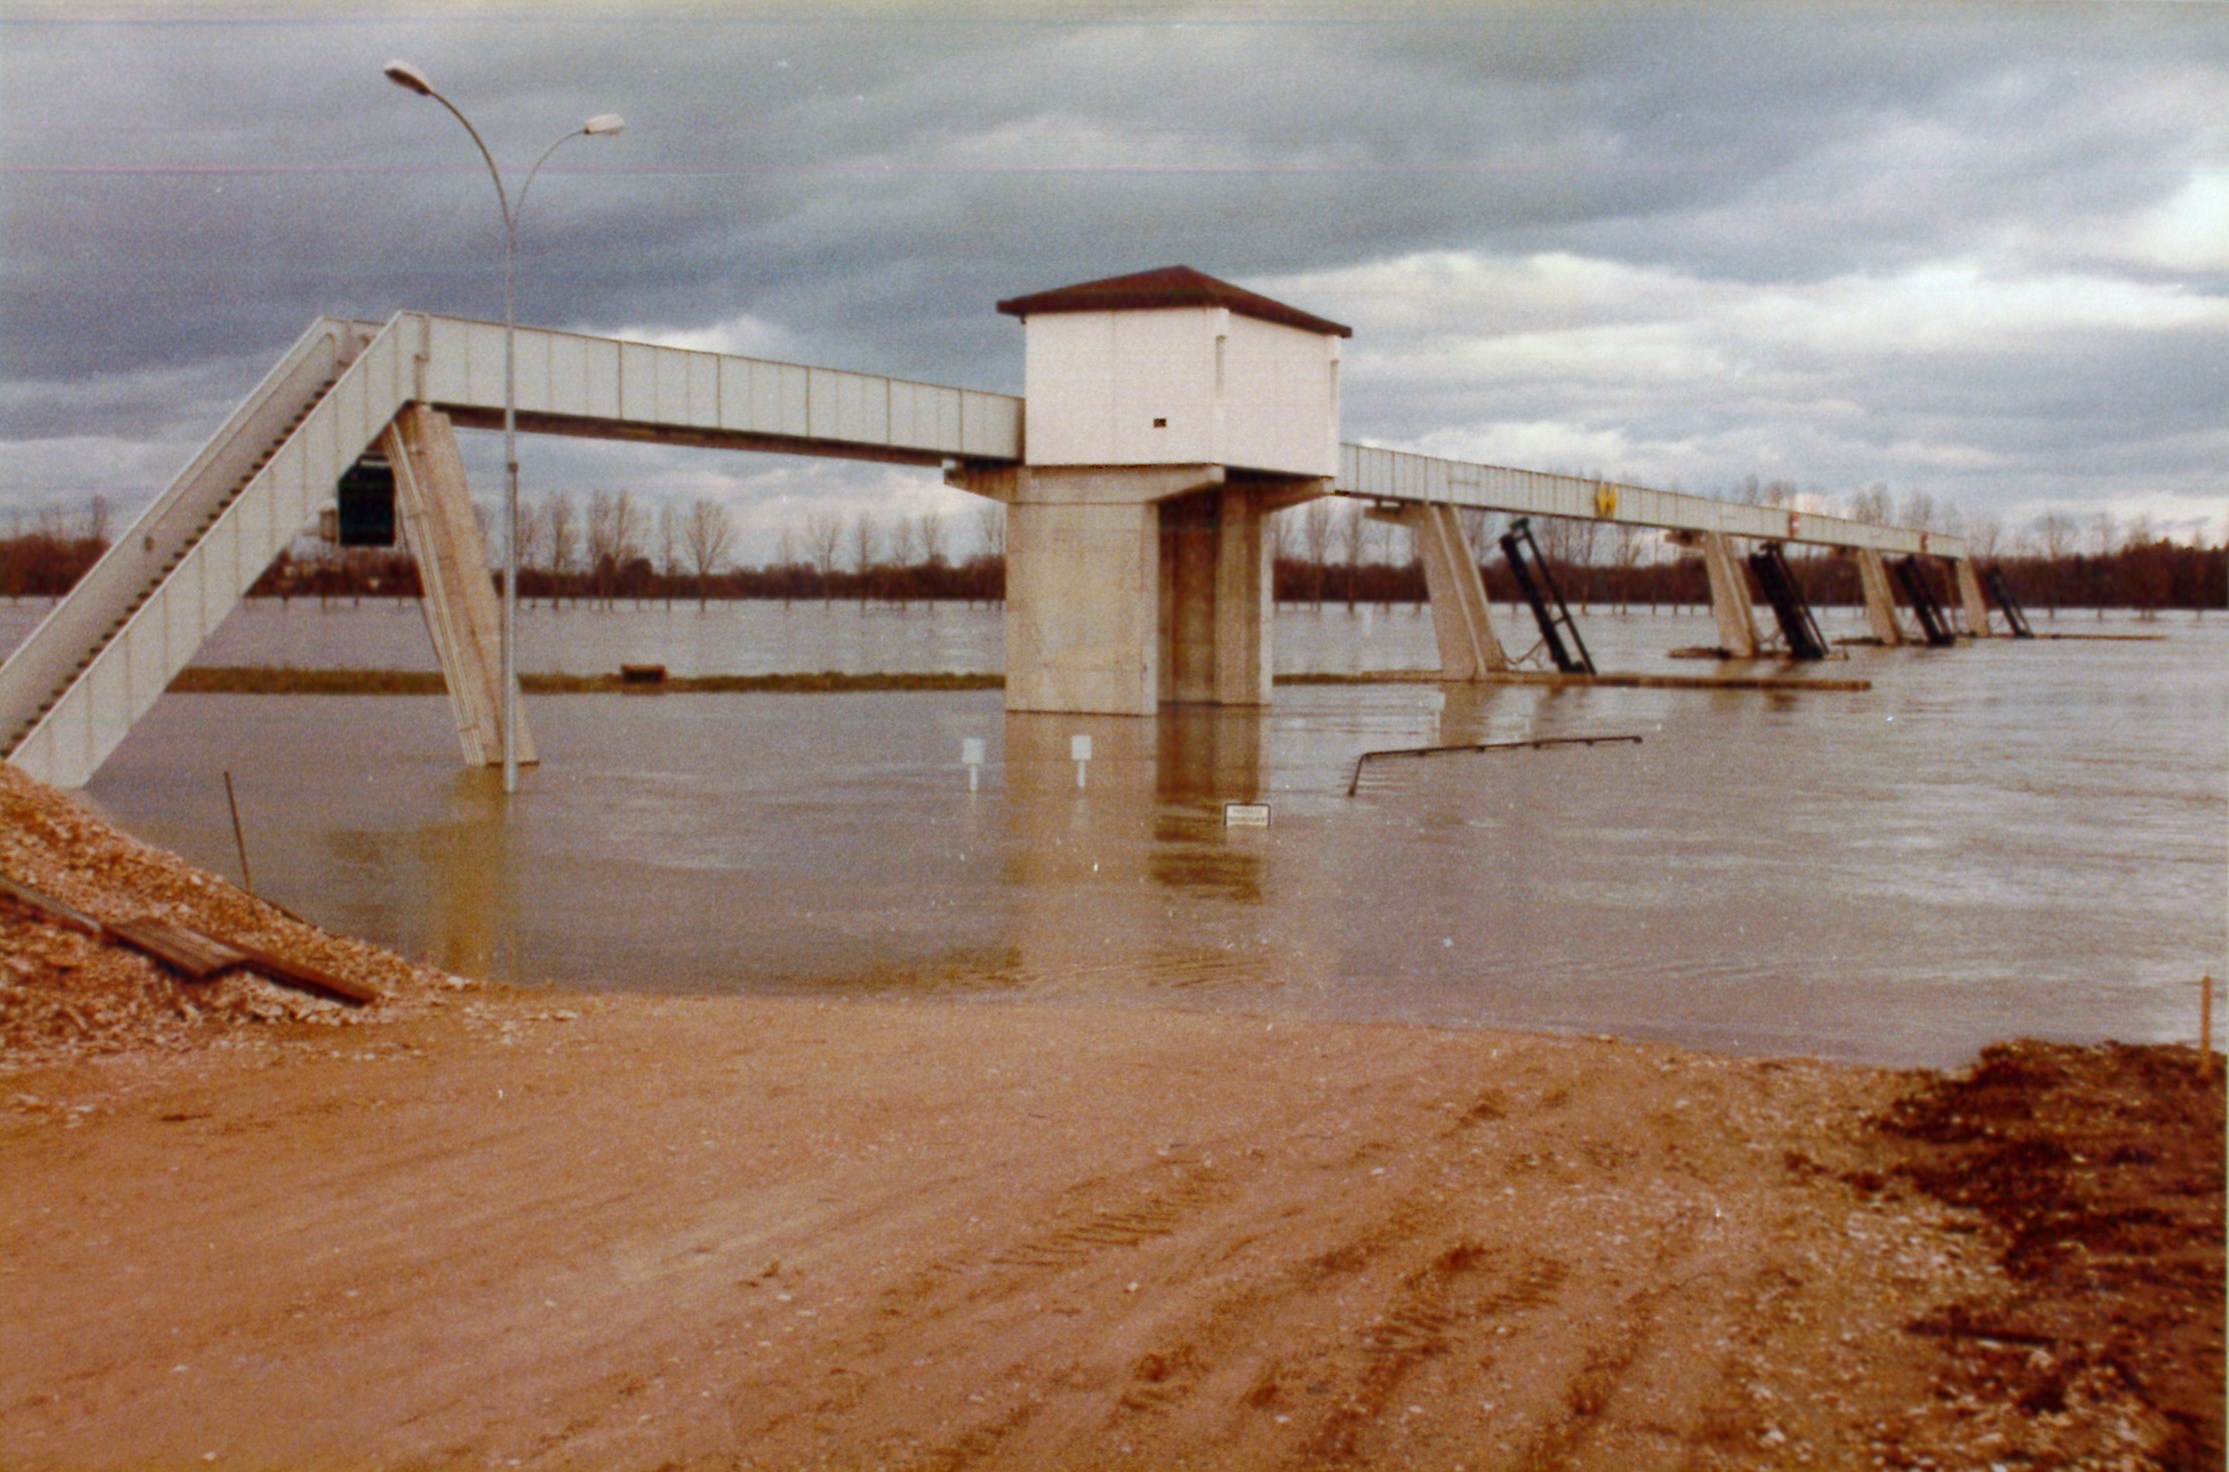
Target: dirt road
x,y
638,1232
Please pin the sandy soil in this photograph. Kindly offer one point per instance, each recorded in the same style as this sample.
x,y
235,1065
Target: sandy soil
x,y
482,1228
645,1233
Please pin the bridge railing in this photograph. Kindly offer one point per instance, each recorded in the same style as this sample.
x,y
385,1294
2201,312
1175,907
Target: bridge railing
x,y
572,382
1397,475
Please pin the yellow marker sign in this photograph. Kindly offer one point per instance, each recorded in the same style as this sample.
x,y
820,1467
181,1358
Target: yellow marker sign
x,y
1605,499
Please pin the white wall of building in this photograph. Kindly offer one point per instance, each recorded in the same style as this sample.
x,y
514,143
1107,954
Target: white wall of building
x,y
1180,386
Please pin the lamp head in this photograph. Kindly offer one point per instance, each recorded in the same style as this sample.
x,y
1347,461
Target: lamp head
x,y
403,74
603,125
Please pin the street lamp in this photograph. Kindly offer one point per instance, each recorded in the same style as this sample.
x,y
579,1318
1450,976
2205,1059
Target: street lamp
x,y
603,125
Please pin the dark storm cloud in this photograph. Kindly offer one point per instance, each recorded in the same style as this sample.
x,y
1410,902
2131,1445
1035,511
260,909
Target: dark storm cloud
x,y
867,182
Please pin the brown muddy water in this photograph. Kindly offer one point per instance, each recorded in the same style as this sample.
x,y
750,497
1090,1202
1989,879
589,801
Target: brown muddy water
x,y
2003,838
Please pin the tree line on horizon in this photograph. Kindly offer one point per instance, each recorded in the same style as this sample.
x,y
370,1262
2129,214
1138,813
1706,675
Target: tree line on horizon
x,y
612,545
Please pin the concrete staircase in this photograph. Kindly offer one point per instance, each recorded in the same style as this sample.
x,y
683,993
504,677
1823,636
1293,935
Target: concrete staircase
x,y
106,652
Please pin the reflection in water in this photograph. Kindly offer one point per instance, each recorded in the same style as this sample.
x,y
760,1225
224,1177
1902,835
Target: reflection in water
x,y
1111,874
474,896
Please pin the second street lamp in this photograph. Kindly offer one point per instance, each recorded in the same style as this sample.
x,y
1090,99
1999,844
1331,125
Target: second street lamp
x,y
602,125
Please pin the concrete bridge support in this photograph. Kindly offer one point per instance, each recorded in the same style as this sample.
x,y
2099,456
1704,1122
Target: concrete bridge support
x,y
1880,598
443,533
1969,597
1216,598
1128,586
1729,597
1462,615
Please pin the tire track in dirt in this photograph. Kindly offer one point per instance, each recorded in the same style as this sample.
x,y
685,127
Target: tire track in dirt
x,y
1202,1344
975,1295
1435,1307
1192,1187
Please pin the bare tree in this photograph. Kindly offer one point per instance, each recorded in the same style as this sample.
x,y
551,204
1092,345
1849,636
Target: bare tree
x,y
1586,535
599,532
2056,530
564,533
1377,547
824,540
2105,534
866,545
930,535
708,533
1284,537
614,536
990,525
1983,534
1315,535
1872,505
669,545
2105,540
1919,512
905,553
1626,541
533,532
96,519
785,560
1350,534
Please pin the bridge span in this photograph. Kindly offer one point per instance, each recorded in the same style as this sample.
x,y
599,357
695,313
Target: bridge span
x,y
1138,559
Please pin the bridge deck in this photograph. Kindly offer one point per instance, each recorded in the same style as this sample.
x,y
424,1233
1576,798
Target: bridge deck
x,y
1396,475
73,689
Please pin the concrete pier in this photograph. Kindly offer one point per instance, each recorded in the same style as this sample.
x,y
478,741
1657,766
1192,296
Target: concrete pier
x,y
1970,599
1729,597
1131,586
442,532
1880,598
1462,615
1216,600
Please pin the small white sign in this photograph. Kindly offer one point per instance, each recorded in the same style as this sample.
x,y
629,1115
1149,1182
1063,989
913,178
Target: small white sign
x,y
971,751
1079,748
1246,815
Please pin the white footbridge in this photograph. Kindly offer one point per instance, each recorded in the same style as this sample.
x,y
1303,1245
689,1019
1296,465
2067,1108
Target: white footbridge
x,y
1133,577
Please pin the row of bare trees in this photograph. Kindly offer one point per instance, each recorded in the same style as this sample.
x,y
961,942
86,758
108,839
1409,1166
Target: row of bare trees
x,y
601,548
612,544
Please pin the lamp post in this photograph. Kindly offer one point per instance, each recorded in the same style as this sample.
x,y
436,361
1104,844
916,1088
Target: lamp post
x,y
603,125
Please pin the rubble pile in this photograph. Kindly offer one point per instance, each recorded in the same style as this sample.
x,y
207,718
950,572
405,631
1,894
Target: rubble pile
x,y
2096,1173
66,995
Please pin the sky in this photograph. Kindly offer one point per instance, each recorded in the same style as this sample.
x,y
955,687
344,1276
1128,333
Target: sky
x,y
1976,250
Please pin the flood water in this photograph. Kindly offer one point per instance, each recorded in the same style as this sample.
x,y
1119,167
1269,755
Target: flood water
x,y
2003,838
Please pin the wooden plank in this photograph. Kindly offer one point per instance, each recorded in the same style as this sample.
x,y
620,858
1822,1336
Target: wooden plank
x,y
48,908
193,955
304,977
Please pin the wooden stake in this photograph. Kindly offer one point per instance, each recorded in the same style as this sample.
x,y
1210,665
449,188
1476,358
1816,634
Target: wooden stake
x,y
247,880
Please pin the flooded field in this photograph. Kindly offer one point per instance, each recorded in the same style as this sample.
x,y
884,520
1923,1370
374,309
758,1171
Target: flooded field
x,y
1998,839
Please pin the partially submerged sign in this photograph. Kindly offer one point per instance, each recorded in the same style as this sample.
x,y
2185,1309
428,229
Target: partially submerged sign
x,y
1246,815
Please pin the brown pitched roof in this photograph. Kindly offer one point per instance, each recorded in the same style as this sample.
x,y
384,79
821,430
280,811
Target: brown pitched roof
x,y
1171,286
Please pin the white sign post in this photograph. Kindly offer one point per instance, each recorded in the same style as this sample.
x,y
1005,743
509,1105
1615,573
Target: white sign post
x,y
971,757
1079,752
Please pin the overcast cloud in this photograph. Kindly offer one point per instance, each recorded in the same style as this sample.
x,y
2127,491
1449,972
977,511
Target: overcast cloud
x,y
1977,250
